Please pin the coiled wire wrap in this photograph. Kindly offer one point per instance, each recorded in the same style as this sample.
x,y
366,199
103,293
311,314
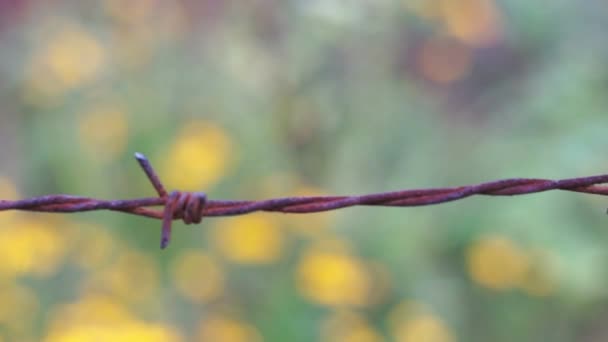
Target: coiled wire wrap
x,y
185,206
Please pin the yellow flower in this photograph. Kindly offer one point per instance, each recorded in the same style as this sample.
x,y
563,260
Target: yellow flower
x,y
227,330
197,276
343,326
423,328
31,247
411,321
102,318
127,332
476,22
74,56
71,58
333,278
497,263
103,132
198,157
251,239
90,309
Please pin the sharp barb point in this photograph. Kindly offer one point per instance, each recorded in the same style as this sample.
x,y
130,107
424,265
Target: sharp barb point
x,y
152,176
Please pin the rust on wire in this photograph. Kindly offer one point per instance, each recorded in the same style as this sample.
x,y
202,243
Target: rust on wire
x,y
191,207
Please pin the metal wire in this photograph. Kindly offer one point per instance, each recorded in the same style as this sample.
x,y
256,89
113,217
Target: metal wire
x,y
192,207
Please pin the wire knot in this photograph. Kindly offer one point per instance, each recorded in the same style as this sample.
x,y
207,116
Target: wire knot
x,y
185,206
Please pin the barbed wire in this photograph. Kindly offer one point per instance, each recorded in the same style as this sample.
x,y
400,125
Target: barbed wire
x,y
191,207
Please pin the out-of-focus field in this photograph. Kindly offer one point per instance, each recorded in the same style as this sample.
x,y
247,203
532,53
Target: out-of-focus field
x,y
256,99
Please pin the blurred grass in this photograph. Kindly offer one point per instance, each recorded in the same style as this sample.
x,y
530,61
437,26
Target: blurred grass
x,y
271,98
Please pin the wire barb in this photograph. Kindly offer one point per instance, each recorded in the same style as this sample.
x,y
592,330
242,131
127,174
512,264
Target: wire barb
x,y
186,206
152,176
178,205
191,207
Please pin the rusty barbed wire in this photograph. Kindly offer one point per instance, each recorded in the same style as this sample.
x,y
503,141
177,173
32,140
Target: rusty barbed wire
x,y
191,207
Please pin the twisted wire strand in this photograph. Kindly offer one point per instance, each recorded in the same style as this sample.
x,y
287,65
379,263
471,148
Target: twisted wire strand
x,y
191,207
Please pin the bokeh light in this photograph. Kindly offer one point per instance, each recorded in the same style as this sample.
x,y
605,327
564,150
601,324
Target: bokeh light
x,y
253,239
199,156
497,263
218,328
333,277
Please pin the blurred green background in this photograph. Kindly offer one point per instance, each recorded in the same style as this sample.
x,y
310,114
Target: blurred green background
x,y
256,99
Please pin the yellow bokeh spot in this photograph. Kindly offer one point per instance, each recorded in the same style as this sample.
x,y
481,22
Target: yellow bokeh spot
x,y
127,332
497,263
198,157
90,309
227,330
103,132
133,277
444,60
31,247
103,318
476,22
197,276
252,239
422,328
347,326
74,56
333,278
71,58
412,321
